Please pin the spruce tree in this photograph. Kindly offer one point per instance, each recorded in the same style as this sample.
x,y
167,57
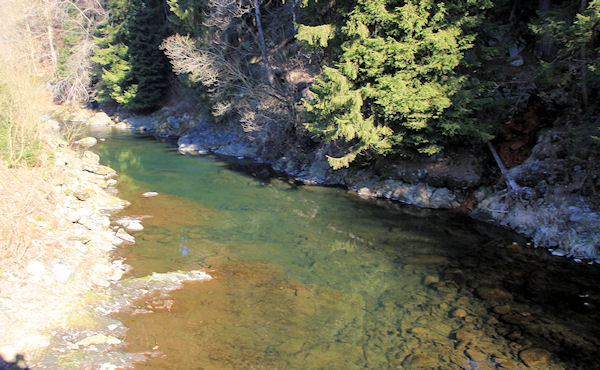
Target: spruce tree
x,y
133,71
149,67
395,78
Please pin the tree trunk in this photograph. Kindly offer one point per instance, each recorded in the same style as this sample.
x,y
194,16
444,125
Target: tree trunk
x,y
509,179
261,41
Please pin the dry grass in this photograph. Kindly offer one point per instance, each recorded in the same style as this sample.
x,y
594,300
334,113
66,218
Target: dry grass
x,y
26,219
23,97
25,197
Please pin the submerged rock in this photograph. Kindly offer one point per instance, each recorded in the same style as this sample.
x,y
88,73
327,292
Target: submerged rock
x,y
98,339
535,357
494,294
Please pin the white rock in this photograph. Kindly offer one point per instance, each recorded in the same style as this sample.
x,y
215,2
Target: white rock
x,y
134,226
111,182
62,272
87,141
91,157
73,216
98,339
80,247
36,268
100,119
125,236
149,194
116,241
112,327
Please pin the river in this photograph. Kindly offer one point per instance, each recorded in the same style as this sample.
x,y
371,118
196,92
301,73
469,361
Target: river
x,y
315,277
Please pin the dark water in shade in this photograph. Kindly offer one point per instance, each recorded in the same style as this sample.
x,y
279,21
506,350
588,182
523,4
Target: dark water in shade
x,y
314,277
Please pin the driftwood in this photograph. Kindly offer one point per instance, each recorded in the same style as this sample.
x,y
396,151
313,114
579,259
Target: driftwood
x,y
509,179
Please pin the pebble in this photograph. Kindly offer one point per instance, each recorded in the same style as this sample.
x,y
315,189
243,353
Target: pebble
x,y
459,313
149,194
430,279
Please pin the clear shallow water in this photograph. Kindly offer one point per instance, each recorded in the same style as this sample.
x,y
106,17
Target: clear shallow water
x,y
314,277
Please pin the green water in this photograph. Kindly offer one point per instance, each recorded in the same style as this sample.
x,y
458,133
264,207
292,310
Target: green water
x,y
314,277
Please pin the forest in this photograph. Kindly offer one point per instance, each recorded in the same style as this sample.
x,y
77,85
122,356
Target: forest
x,y
372,78
460,111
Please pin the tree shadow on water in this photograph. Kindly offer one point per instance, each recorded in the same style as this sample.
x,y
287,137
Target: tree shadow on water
x,y
18,363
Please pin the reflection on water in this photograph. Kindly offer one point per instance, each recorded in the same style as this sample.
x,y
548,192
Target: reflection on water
x,y
311,277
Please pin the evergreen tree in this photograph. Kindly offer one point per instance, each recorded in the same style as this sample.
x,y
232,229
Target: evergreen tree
x,y
149,66
575,73
133,70
395,78
111,55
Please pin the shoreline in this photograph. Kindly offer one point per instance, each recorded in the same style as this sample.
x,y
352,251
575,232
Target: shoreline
x,y
55,309
546,213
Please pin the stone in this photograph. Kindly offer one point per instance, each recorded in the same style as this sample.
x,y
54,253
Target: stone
x,y
121,233
130,224
62,272
517,61
87,141
98,339
90,157
459,313
36,268
442,198
117,241
502,310
419,361
6,304
100,170
100,119
149,194
111,182
80,247
534,357
494,294
476,355
430,279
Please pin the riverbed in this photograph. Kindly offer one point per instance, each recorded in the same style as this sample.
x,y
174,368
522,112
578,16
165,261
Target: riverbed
x,y
316,277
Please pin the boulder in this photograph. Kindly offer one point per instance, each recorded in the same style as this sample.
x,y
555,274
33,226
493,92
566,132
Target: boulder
x,y
100,119
86,141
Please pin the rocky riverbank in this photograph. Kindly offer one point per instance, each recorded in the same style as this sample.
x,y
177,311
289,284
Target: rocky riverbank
x,y
556,208
57,293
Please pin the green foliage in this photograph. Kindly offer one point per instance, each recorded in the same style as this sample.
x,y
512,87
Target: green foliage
x,y
133,70
187,15
315,37
576,70
149,66
397,76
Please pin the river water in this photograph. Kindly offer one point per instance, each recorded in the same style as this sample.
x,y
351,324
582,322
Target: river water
x,y
315,277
